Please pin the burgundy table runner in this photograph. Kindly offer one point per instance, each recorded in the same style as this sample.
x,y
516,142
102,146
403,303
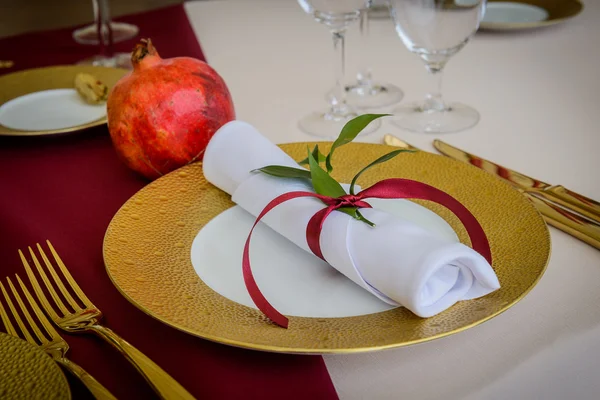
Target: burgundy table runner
x,y
67,188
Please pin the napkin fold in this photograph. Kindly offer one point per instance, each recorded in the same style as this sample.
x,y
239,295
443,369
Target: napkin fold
x,y
397,261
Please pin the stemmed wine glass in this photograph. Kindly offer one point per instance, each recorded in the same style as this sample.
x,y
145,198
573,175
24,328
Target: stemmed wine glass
x,y
435,30
365,93
105,33
337,15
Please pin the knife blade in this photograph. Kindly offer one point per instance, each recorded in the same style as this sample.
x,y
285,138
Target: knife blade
x,y
554,214
557,194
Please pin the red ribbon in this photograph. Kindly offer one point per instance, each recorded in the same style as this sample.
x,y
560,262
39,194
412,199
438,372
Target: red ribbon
x,y
395,188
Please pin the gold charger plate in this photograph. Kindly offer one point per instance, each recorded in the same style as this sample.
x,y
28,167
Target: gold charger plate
x,y
147,256
34,80
558,11
28,373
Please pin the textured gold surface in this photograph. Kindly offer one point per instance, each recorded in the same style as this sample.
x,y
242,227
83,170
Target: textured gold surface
x,y
37,79
147,255
28,373
558,11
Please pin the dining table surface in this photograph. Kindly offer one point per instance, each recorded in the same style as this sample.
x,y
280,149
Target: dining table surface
x,y
538,95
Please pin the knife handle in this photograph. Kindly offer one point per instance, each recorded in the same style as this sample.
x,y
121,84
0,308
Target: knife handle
x,y
565,201
585,203
568,222
548,202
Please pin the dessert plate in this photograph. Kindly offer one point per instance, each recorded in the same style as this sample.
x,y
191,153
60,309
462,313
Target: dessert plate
x,y
169,251
43,101
524,14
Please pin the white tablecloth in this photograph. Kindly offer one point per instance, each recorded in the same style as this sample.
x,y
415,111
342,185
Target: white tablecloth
x,y
538,93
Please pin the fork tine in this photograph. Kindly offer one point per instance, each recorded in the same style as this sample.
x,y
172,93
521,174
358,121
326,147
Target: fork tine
x,y
56,279
36,309
38,289
24,330
10,329
32,324
68,276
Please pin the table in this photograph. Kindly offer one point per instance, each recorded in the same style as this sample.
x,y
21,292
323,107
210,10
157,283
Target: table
x,y
67,188
537,92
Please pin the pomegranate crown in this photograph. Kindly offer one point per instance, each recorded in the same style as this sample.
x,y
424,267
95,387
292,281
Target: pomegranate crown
x,y
142,49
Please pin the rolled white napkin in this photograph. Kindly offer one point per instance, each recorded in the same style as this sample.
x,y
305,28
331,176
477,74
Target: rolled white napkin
x,y
397,261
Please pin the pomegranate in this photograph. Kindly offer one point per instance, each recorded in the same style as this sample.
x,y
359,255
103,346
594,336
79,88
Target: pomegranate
x,y
163,113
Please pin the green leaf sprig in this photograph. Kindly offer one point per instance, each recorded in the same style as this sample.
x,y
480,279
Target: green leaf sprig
x,y
321,179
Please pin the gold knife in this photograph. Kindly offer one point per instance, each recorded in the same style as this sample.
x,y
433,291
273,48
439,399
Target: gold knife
x,y
556,194
554,214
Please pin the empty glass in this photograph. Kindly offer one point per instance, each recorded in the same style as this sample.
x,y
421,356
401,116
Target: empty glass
x,y
365,93
336,15
435,30
104,33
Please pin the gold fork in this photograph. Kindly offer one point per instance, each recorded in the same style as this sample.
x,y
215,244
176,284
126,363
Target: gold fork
x,y
87,319
50,341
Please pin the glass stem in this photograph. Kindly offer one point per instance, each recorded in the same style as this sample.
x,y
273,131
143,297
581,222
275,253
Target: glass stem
x,y
337,96
364,73
99,21
433,99
106,21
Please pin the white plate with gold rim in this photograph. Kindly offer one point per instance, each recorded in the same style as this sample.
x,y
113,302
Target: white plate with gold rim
x,y
157,257
527,14
43,101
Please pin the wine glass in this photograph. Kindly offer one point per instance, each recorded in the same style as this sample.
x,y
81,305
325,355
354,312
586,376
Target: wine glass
x,y
105,33
435,30
365,93
337,15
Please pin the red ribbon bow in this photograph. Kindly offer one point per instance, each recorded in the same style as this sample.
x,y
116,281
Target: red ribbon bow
x,y
394,188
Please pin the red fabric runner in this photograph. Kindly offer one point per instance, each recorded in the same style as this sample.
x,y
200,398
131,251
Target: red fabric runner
x,y
67,188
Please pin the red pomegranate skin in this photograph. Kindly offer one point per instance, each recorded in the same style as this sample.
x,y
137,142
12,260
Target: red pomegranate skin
x,y
162,115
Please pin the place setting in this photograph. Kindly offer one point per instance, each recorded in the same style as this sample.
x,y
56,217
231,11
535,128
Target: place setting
x,y
342,243
187,219
55,100
67,98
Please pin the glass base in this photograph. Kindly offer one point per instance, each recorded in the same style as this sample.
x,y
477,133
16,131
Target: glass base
x,y
120,31
119,60
328,125
456,117
373,96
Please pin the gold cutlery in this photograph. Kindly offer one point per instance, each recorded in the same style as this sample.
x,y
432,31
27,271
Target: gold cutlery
x,y
50,341
87,319
392,140
556,194
555,214
6,63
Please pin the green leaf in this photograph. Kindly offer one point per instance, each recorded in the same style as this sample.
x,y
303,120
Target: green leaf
x,y
380,160
316,153
349,132
284,172
351,211
322,182
320,157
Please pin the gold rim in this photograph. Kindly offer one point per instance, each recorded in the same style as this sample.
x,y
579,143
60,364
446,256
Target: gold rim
x,y
33,80
147,245
558,11
39,378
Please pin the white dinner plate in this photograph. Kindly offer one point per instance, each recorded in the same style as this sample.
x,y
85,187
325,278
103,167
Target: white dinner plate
x,y
296,282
